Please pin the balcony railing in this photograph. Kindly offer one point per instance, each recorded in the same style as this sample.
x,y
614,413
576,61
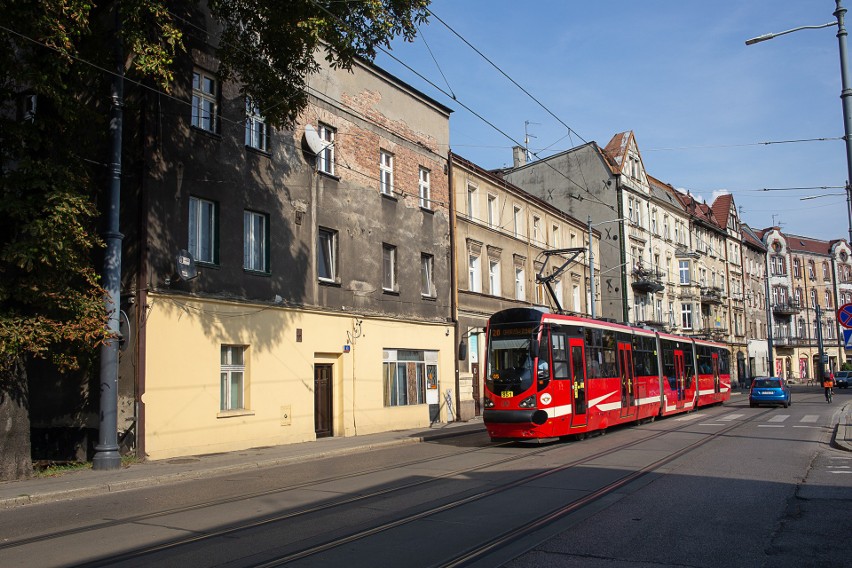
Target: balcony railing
x,y
786,341
711,295
647,280
788,308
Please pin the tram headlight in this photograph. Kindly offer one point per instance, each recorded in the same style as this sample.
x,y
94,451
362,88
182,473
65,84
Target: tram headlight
x,y
488,402
528,402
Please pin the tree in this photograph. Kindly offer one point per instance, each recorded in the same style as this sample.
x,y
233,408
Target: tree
x,y
54,62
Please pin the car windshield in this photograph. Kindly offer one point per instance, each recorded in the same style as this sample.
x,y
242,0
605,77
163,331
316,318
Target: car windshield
x,y
767,384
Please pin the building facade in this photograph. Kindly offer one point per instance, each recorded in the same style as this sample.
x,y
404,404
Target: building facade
x,y
322,304
505,243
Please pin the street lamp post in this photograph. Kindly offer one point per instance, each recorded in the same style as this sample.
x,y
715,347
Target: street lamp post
x,y
845,94
592,262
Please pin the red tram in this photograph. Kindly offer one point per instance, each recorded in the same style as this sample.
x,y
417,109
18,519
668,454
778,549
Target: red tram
x,y
550,375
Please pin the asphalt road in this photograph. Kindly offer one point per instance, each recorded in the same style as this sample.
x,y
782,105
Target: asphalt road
x,y
726,486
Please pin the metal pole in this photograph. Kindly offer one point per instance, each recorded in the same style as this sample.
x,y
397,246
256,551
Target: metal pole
x,y
106,455
769,339
820,350
591,269
845,94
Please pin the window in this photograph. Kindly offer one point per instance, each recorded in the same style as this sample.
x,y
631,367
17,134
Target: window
x,y
255,241
686,316
325,159
407,375
472,211
520,288
555,241
427,275
825,275
425,194
473,282
684,271
493,212
327,255
666,227
204,230
494,277
797,268
537,236
827,299
517,222
813,298
811,270
389,283
257,131
204,101
233,370
386,172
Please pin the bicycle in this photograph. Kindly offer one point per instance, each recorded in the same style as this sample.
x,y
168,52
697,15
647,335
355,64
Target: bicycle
x,y
828,395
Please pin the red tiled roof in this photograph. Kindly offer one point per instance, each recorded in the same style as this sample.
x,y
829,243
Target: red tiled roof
x,y
722,208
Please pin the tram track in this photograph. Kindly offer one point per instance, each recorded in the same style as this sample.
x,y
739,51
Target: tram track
x,y
363,499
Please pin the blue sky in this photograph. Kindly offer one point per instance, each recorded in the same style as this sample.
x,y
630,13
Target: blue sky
x,y
701,103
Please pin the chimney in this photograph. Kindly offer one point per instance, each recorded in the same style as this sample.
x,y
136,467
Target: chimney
x,y
519,155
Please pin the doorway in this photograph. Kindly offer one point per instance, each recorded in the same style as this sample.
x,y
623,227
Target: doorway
x,y
323,381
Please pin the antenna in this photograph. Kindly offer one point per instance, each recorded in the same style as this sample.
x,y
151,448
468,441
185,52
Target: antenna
x,y
312,138
527,137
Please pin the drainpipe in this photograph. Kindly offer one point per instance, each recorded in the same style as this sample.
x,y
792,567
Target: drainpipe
x,y
454,283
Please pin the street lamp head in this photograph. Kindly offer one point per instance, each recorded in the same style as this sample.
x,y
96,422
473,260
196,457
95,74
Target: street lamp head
x,y
759,39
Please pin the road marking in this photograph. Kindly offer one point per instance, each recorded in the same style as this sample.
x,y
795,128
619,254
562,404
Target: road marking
x,y
811,427
711,424
810,418
731,417
841,472
687,417
780,418
770,425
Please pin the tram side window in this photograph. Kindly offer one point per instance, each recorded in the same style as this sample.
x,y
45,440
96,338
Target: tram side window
x,y
688,366
543,376
560,357
668,365
645,356
724,361
705,360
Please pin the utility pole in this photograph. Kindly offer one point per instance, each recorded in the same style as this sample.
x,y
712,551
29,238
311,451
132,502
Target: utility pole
x,y
107,456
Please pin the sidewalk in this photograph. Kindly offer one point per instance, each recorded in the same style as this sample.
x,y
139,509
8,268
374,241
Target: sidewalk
x,y
86,482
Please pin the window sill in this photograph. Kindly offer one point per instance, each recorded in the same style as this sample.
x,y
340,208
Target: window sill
x,y
258,151
326,282
205,264
389,197
257,272
429,298
427,210
390,292
204,132
325,174
234,413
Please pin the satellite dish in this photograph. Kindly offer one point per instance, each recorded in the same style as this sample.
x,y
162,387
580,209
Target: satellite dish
x,y
312,138
185,265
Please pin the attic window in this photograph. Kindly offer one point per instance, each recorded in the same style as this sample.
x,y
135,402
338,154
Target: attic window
x,y
802,243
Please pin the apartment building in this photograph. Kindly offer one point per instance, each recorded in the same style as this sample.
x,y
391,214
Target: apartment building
x,y
287,285
754,287
512,249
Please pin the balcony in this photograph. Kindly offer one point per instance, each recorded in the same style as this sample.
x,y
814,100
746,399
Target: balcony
x,y
682,251
711,295
786,341
714,333
788,308
647,280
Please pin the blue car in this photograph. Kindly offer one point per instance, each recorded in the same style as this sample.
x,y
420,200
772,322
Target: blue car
x,y
769,390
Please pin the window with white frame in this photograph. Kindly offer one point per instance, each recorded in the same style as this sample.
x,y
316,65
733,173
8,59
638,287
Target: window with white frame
x,y
232,379
389,282
472,196
666,227
520,283
827,299
425,192
327,255
255,241
813,298
517,221
325,158
427,275
686,316
538,237
683,266
407,374
386,172
257,131
494,277
205,95
555,241
204,230
474,283
493,211
575,297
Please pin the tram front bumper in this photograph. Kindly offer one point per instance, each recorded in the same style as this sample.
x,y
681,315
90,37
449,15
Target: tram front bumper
x,y
526,416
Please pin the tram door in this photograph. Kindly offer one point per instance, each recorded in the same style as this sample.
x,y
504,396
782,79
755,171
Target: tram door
x,y
628,380
578,382
680,378
716,379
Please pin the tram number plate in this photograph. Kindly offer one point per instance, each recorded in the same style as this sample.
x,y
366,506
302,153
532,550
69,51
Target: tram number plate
x,y
507,394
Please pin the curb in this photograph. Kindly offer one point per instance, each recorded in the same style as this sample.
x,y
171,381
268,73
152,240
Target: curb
x,y
101,488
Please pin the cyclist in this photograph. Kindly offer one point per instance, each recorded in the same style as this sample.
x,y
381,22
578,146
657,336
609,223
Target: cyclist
x,y
828,383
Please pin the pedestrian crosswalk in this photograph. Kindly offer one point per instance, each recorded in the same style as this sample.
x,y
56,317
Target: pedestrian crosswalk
x,y
774,421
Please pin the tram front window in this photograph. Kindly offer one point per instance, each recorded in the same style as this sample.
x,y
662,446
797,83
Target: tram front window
x,y
509,366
